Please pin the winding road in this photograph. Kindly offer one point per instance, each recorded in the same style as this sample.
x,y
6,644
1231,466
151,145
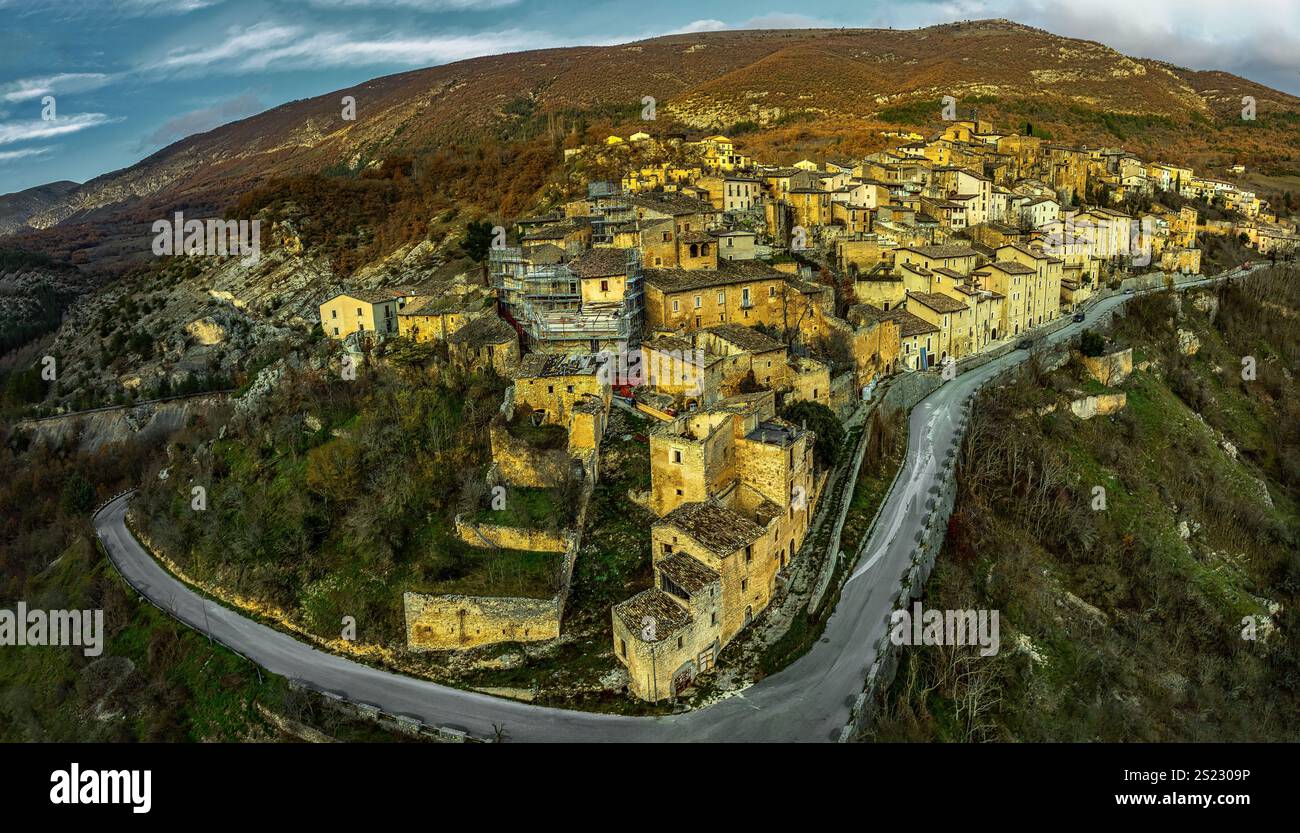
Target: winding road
x,y
807,701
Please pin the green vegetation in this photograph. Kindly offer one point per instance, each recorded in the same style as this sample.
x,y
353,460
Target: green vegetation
x,y
527,507
822,421
336,498
1124,622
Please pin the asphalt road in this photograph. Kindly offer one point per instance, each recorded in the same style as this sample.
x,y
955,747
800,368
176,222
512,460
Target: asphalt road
x,y
807,701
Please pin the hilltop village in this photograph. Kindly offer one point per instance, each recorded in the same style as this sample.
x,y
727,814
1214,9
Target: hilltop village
x,y
709,292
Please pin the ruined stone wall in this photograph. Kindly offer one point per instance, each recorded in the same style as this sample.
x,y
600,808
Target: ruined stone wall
x,y
457,622
520,464
504,537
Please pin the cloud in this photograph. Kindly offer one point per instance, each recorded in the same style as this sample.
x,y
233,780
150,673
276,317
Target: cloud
x,y
708,25
202,120
8,155
1258,40
771,20
22,131
273,46
66,82
417,5
100,8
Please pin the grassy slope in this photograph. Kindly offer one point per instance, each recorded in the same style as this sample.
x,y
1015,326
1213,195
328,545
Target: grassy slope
x,y
1113,626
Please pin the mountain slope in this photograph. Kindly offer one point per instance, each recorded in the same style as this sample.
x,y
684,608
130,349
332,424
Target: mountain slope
x,y
840,80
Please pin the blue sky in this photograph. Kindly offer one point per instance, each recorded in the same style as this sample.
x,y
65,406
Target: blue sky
x,y
131,76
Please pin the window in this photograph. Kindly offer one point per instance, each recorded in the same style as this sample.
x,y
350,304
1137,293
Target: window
x,y
358,310
604,286
744,584
679,492
677,455
749,553
336,331
550,388
622,647
713,618
771,292
679,642
722,297
334,313
699,301
677,306
569,388
668,549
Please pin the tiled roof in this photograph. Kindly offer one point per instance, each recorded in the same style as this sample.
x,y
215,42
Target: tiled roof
x,y
746,338
721,530
686,572
940,251
938,302
1011,267
908,324
666,615
600,263
728,272
486,330
536,365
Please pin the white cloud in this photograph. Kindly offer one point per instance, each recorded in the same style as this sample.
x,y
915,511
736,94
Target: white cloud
x,y
22,131
417,5
707,25
272,46
66,82
8,155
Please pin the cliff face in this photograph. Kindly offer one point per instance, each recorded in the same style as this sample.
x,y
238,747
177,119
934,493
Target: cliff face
x,y
92,431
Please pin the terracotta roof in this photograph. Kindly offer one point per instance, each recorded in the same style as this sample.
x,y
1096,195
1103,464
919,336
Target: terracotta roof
x,y
674,204
937,302
746,338
908,324
666,614
600,263
686,572
486,330
940,251
1011,267
719,529
728,272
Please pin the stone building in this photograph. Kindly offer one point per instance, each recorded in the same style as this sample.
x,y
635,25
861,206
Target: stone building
x,y
735,491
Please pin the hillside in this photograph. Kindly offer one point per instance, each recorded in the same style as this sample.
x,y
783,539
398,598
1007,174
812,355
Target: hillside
x,y
1128,620
802,88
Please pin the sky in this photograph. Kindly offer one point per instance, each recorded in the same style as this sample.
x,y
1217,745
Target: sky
x,y
129,77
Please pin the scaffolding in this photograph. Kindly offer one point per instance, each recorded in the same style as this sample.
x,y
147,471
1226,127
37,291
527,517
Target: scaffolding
x,y
546,301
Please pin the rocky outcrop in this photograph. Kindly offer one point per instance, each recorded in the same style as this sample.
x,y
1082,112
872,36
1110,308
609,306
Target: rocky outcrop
x,y
1109,369
1103,404
1188,343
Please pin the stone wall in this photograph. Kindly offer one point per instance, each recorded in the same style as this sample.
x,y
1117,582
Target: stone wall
x,y
521,464
457,622
499,536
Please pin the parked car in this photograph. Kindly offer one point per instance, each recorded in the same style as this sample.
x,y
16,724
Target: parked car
x,y
1128,292
1025,344
1078,316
